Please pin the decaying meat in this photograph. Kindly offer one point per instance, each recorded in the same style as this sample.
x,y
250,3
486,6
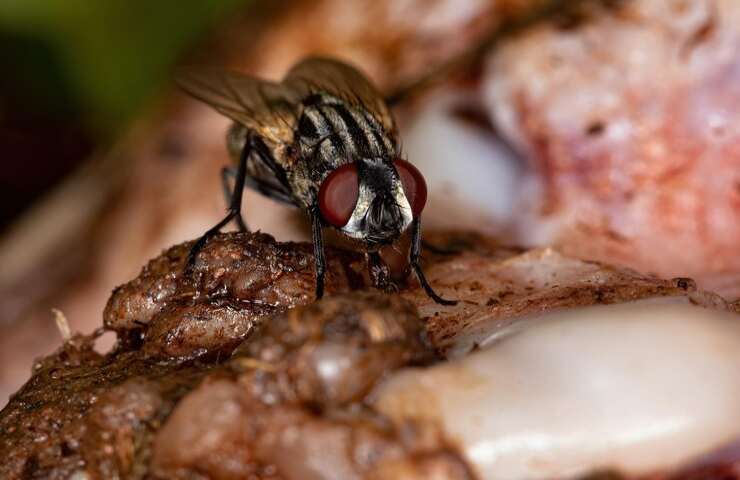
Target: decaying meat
x,y
588,369
294,408
611,135
500,284
302,376
331,353
629,122
638,388
82,412
237,279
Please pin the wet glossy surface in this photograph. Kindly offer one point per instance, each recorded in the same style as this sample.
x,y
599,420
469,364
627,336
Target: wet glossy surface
x,y
638,388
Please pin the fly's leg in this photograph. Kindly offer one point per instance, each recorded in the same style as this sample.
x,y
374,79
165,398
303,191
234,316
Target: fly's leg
x,y
195,250
227,172
234,207
380,274
415,258
318,251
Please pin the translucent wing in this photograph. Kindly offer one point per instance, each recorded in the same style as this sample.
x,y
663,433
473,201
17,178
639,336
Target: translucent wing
x,y
316,75
267,108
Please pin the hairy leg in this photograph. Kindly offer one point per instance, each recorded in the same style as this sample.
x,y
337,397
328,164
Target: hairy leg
x,y
226,174
415,259
234,211
318,251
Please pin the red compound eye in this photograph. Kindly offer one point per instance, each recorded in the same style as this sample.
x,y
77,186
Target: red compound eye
x,y
414,185
338,195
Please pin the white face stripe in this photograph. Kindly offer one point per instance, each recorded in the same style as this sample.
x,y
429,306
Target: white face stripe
x,y
355,227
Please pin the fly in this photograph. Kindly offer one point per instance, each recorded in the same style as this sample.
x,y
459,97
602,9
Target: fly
x,y
324,141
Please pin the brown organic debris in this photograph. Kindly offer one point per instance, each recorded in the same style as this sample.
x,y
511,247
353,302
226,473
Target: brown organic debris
x,y
171,401
234,372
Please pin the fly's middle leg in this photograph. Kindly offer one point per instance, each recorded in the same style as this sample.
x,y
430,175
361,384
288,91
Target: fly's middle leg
x,y
226,174
234,211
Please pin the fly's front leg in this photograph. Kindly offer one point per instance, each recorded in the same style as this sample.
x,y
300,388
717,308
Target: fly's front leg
x,y
235,206
380,274
226,173
318,251
415,259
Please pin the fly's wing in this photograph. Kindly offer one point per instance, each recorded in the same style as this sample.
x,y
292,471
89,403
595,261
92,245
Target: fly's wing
x,y
317,75
265,107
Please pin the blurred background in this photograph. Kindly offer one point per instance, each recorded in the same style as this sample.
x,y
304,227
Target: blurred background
x,y
76,72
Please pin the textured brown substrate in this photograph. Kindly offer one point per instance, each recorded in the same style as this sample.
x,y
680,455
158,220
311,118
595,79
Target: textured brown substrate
x,y
234,372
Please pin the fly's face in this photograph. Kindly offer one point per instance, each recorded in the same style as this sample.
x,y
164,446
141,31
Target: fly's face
x,y
372,200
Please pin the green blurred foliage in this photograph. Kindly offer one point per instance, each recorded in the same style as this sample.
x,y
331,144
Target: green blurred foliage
x,y
107,56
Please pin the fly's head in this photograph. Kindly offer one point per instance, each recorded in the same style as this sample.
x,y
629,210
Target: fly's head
x,y
373,200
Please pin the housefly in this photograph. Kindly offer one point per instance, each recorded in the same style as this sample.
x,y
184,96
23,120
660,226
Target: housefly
x,y
322,140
